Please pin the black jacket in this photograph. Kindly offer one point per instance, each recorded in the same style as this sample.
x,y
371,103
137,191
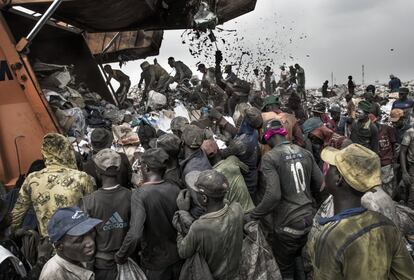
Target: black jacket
x,y
152,210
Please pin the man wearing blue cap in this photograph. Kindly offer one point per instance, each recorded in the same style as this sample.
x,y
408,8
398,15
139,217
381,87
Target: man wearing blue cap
x,y
71,231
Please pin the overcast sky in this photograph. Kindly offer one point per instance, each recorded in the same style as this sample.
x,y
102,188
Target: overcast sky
x,y
323,36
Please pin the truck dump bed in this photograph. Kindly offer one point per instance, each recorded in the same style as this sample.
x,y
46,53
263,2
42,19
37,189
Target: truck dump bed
x,y
25,116
124,46
125,15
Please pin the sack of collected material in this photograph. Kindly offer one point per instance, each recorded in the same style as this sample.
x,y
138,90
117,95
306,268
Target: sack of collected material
x,y
379,201
124,134
130,271
114,114
75,97
156,100
405,219
58,79
195,268
181,111
257,260
72,121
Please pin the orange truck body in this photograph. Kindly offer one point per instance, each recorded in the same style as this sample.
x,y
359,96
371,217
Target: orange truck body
x,y
25,116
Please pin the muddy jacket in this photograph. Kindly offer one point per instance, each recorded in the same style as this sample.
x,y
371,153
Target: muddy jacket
x,y
120,76
197,161
365,134
152,210
218,238
58,185
249,137
360,244
151,75
231,168
290,173
182,71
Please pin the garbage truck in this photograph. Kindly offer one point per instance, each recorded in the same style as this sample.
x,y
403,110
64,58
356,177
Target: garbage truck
x,y
63,32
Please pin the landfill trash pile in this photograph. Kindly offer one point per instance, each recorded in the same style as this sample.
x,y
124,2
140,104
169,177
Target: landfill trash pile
x,y
79,111
338,92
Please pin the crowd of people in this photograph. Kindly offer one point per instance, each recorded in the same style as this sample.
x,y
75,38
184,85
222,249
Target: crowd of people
x,y
331,189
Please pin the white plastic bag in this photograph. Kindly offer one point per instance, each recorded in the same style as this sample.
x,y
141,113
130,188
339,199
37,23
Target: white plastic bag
x,y
181,111
156,100
130,271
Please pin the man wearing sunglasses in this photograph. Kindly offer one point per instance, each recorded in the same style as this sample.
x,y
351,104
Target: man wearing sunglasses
x,y
356,243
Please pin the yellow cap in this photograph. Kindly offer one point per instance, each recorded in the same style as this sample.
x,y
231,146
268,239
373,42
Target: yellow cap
x,y
359,166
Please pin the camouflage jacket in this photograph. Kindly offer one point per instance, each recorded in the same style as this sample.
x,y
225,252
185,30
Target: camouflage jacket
x,y
58,185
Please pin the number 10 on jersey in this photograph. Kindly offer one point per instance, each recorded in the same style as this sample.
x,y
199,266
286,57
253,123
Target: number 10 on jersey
x,y
298,176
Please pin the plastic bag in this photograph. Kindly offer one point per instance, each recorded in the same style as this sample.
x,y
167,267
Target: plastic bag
x,y
72,121
379,201
195,268
130,271
181,111
405,219
257,260
58,79
156,100
205,18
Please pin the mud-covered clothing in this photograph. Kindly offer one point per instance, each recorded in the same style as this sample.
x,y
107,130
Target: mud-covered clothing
x,y
394,84
113,207
408,141
386,143
56,186
365,134
10,259
231,168
351,87
290,174
359,244
248,136
173,175
300,75
59,268
155,77
152,210
119,76
182,72
197,161
375,109
218,238
124,85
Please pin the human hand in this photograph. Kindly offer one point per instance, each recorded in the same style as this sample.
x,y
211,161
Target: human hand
x,y
120,260
406,178
247,218
183,200
44,249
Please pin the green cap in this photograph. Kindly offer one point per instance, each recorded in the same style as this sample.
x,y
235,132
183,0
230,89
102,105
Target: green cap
x,y
270,100
365,106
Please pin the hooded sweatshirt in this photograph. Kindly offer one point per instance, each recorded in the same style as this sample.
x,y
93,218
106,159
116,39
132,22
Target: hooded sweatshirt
x,y
58,185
